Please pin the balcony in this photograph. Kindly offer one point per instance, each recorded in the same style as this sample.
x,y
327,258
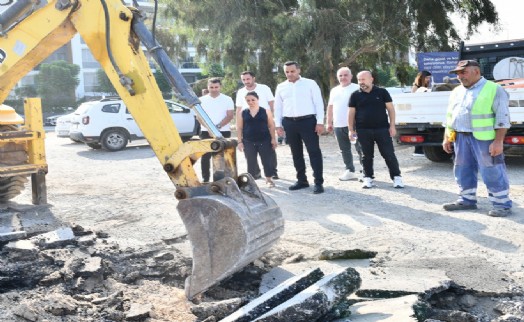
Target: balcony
x,y
189,68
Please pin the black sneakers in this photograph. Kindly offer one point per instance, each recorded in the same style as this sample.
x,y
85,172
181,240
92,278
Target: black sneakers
x,y
318,188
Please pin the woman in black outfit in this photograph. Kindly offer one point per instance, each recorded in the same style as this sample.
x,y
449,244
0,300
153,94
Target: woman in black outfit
x,y
256,136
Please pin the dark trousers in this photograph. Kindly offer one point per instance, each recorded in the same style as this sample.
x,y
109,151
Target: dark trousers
x,y
205,161
256,169
300,132
367,139
342,136
266,152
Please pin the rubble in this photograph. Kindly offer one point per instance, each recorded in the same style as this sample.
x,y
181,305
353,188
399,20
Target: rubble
x,y
400,308
14,235
76,273
138,312
26,312
21,250
331,254
317,300
275,296
217,310
53,239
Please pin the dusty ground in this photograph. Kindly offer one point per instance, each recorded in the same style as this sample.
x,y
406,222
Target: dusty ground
x,y
127,195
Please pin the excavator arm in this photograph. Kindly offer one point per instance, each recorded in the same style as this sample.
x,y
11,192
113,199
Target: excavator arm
x,y
230,222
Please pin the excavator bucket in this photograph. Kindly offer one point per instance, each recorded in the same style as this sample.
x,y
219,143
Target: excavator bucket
x,y
229,222
229,225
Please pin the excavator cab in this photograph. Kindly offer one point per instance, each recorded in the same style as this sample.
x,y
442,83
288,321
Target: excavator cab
x,y
230,222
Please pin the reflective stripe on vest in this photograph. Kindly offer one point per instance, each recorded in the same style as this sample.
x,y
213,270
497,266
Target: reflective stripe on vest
x,y
482,117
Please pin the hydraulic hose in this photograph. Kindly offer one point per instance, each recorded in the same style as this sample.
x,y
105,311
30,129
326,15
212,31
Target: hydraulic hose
x,y
124,80
173,75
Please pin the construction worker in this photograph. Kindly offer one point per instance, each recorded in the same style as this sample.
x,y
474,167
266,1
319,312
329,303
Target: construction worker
x,y
477,122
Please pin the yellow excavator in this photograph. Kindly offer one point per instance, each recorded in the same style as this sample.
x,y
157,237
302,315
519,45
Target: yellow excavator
x,y
229,221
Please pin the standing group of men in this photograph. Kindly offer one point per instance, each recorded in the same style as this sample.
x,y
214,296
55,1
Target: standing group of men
x,y
478,119
299,113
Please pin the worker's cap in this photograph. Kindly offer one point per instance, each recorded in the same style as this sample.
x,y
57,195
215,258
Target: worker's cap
x,y
463,64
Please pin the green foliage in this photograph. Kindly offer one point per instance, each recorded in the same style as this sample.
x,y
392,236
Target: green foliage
x,y
229,85
56,83
323,35
162,83
406,74
212,70
17,104
385,77
26,91
104,84
391,76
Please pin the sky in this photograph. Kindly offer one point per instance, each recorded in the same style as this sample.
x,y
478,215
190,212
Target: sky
x,y
511,17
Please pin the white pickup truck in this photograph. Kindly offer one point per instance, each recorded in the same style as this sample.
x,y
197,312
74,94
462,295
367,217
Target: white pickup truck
x,y
419,118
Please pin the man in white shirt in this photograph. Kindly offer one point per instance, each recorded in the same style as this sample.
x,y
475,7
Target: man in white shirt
x,y
266,100
299,110
337,119
220,109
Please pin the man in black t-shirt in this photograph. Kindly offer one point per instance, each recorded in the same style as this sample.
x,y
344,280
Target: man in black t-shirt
x,y
372,116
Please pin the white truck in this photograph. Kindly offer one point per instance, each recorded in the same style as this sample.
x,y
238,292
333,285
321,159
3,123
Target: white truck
x,y
419,119
420,116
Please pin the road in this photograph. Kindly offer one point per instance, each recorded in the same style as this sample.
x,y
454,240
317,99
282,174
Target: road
x,y
127,195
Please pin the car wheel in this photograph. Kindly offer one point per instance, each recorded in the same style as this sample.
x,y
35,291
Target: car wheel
x,y
114,140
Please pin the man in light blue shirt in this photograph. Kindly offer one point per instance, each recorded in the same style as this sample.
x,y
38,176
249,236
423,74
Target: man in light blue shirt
x,y
477,121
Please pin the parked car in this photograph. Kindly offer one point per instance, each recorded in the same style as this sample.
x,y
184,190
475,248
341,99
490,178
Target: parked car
x,y
108,124
63,126
51,120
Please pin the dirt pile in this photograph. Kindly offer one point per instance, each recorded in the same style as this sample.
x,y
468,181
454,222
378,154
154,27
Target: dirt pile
x,y
78,273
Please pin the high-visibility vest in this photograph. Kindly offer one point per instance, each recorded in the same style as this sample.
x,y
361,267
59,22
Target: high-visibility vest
x,y
482,116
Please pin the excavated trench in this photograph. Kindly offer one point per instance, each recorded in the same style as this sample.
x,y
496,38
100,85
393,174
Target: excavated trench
x,y
83,276
456,304
76,274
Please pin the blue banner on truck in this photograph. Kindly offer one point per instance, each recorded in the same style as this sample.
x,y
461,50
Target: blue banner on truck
x,y
438,64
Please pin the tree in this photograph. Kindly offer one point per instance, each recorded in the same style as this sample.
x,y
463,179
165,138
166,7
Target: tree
x,y
26,91
323,35
56,83
162,83
241,35
104,84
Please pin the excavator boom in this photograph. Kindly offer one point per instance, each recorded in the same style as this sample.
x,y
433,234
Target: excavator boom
x,y
229,221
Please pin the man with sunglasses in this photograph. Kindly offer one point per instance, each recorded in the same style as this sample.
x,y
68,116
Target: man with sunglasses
x,y
477,121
